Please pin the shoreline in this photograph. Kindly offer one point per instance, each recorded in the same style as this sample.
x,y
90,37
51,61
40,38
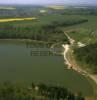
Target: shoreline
x,y
75,66
24,40
92,78
66,49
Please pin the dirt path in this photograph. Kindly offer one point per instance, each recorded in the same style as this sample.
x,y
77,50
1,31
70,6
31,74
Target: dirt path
x,y
66,49
76,68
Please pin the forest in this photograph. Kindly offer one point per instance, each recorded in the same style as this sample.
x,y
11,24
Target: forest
x,y
87,56
11,91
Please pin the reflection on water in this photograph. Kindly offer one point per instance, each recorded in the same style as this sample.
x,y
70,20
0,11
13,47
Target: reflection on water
x,y
44,49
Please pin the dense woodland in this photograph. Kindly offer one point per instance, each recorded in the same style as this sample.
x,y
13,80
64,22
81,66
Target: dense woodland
x,y
87,57
81,11
9,91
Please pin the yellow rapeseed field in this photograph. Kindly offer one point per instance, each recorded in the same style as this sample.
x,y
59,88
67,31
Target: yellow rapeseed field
x,y
16,19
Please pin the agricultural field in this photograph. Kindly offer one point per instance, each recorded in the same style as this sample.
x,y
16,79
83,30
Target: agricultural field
x,y
16,19
7,8
44,27
57,7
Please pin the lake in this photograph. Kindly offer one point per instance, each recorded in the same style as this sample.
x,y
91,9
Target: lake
x,y
18,64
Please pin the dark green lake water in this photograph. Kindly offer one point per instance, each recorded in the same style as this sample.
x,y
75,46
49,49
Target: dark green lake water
x,y
17,65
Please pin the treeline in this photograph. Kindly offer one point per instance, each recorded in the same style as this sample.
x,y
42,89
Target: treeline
x,y
65,23
47,34
9,91
87,57
50,32
80,11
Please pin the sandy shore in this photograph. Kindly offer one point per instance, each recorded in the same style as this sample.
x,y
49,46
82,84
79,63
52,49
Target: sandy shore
x,y
76,67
